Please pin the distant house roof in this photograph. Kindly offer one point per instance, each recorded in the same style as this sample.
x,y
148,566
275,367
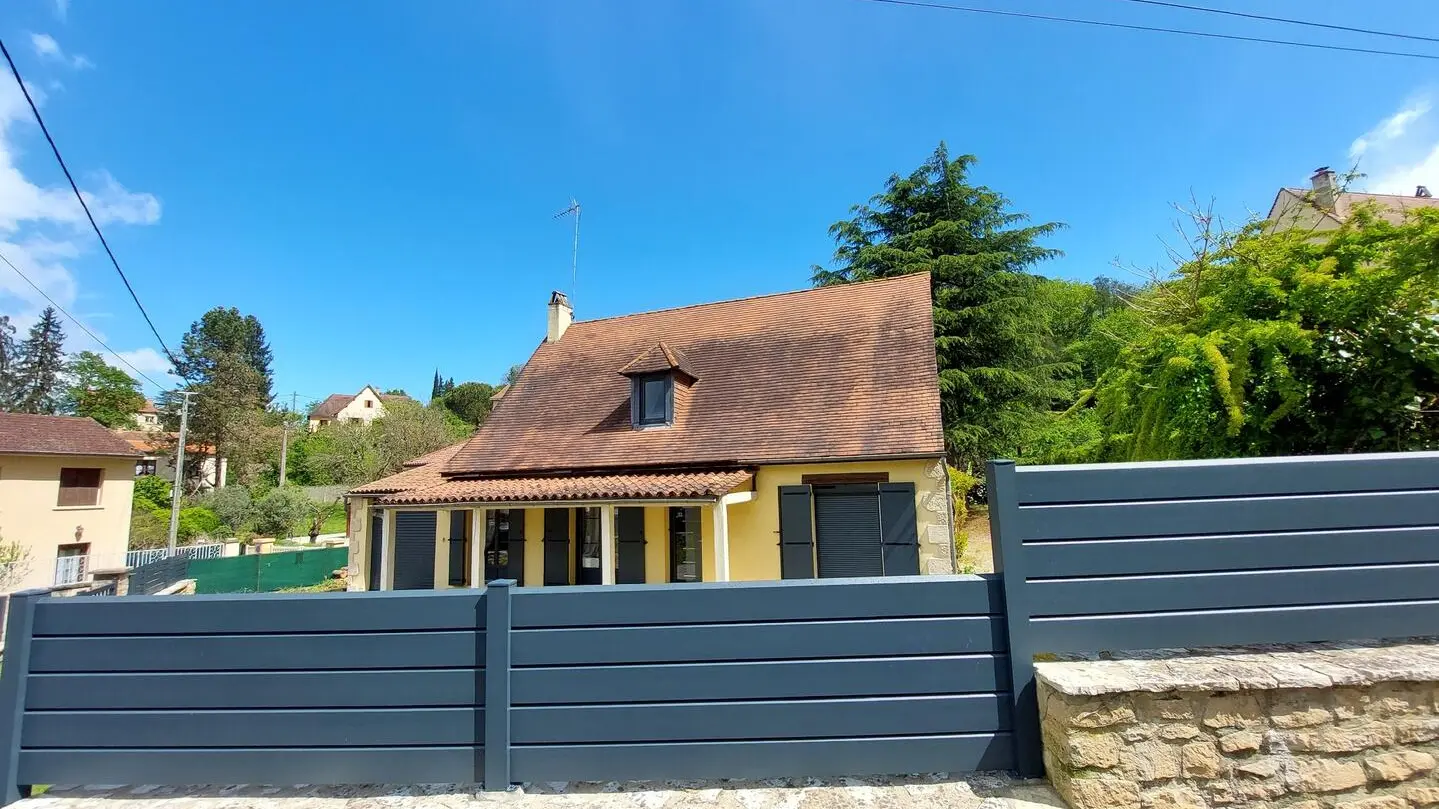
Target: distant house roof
x,y
1391,207
151,443
148,408
23,434
839,372
336,402
419,473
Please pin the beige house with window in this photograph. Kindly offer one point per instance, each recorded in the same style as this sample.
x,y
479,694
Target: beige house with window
x,y
777,437
363,407
1325,205
65,490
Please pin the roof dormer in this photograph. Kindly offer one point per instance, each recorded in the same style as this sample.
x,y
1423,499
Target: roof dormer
x,y
656,376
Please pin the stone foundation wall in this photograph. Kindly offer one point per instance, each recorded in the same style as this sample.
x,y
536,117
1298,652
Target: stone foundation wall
x,y
1361,744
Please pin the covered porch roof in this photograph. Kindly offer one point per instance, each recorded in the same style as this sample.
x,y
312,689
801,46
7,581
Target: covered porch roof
x,y
629,486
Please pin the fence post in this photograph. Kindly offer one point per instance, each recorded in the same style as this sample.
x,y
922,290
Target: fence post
x,y
19,626
1003,497
497,685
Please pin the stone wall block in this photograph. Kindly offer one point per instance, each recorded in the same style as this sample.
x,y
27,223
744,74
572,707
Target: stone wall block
x,y
1178,732
1262,767
1200,759
1400,765
1240,743
1301,708
1172,798
1165,707
1151,761
1100,750
1325,775
1375,802
1331,740
1101,713
1388,700
1109,793
1423,796
1233,711
1415,730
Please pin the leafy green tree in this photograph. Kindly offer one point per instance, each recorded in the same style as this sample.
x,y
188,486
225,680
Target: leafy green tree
x,y
41,361
232,506
101,391
470,401
997,372
1283,343
513,375
360,453
197,521
224,360
149,528
222,333
393,392
9,365
153,489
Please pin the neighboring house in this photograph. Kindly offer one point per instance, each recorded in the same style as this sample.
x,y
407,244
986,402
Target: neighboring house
x,y
783,436
148,419
1324,206
156,458
65,490
363,407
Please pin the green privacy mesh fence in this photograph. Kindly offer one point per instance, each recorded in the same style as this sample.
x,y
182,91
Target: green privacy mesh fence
x,y
264,573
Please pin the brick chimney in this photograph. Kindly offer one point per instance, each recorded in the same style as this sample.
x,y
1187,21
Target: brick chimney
x,y
1326,189
561,316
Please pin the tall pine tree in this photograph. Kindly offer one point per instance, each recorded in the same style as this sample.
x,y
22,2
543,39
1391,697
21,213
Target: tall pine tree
x,y
996,366
225,360
41,360
9,364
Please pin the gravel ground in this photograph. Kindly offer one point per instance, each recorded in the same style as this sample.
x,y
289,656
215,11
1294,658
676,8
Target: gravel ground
x,y
972,791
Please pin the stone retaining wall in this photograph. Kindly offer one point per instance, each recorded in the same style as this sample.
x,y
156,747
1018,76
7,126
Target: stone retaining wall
x,y
1321,728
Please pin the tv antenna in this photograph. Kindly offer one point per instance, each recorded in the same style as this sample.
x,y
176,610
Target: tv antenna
x,y
575,255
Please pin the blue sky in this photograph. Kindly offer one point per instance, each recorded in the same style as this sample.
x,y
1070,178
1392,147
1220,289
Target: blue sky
x,y
376,181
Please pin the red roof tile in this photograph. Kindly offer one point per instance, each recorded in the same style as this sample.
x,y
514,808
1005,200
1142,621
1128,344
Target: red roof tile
x,y
835,372
657,486
23,434
422,472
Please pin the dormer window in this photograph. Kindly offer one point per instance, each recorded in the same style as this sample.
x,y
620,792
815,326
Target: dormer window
x,y
652,400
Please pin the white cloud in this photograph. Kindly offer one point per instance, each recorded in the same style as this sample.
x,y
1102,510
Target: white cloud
x,y
43,228
47,48
149,361
1400,152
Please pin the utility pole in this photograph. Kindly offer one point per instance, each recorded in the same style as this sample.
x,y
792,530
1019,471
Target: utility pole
x,y
179,472
285,438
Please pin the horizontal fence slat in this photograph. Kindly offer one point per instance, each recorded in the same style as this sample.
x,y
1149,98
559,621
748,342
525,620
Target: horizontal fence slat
x,y
1242,552
1237,627
926,636
258,652
1265,588
1230,477
764,759
1116,520
761,680
255,690
377,765
797,600
717,721
276,729
269,613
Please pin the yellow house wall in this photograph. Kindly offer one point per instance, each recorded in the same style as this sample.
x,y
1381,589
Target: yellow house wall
x,y
29,491
754,526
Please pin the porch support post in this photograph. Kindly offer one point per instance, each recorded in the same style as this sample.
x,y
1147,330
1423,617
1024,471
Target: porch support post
x,y
721,534
607,544
387,548
477,547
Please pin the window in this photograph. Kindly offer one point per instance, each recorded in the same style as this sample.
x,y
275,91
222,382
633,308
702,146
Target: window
x,y
72,562
652,400
369,403
145,466
685,544
79,487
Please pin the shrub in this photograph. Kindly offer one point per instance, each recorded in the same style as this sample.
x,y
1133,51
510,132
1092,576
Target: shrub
x,y
232,505
154,489
961,483
277,513
149,528
197,521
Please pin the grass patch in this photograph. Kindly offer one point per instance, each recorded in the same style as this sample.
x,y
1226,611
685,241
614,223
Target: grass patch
x,y
334,524
326,586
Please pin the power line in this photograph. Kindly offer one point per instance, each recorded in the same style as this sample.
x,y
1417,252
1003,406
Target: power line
x,y
1310,23
77,322
1151,28
73,187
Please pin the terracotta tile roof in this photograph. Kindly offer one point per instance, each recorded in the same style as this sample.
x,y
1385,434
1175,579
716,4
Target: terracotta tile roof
x,y
24,434
654,486
835,372
422,472
151,442
148,408
659,357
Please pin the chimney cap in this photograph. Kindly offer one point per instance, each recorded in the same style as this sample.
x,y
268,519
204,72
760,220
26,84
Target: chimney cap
x,y
1323,170
558,297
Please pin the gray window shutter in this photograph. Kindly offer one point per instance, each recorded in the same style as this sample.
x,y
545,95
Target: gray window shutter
x,y
898,529
846,531
630,531
459,549
796,533
516,569
557,546
415,550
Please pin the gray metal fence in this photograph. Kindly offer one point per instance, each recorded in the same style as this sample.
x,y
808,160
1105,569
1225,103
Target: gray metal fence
x,y
1212,553
764,679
